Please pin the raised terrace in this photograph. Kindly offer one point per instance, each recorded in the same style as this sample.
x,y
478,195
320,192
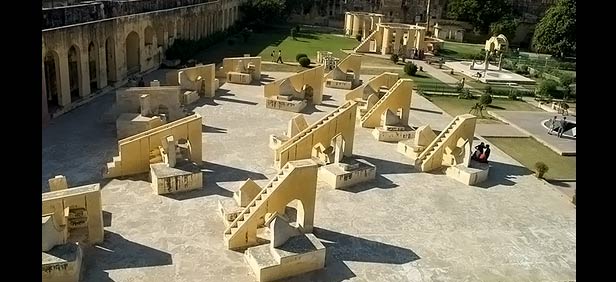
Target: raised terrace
x,y
405,225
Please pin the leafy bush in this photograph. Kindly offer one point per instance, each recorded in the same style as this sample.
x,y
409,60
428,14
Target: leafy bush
x,y
230,41
394,58
488,89
548,88
540,169
522,69
304,61
465,94
299,56
485,99
297,29
410,69
513,95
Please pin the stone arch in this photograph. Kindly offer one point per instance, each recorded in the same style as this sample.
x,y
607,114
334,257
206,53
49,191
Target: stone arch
x,y
133,53
53,85
93,65
110,60
148,36
295,213
74,72
160,36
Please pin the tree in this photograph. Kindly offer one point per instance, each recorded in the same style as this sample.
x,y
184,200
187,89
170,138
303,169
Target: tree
x,y
299,56
556,33
410,69
304,62
506,26
485,99
547,88
260,12
246,34
394,58
480,13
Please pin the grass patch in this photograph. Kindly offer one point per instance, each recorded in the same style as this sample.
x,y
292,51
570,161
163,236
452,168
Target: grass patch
x,y
454,106
459,50
309,41
528,151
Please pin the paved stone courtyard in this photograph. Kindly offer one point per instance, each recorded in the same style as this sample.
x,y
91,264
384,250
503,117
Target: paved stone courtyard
x,y
405,226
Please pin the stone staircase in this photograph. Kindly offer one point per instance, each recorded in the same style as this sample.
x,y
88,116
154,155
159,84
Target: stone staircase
x,y
236,235
376,106
425,161
310,129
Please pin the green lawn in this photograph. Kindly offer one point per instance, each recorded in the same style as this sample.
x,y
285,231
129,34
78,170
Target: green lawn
x,y
459,50
454,106
309,41
528,151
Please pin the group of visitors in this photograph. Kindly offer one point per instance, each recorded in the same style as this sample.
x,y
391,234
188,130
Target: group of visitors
x,y
279,60
557,126
482,153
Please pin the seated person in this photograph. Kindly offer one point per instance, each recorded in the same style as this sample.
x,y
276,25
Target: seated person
x,y
478,151
483,158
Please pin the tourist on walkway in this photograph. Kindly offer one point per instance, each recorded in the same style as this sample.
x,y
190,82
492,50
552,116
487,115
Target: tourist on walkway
x,y
273,55
141,82
563,124
279,60
553,125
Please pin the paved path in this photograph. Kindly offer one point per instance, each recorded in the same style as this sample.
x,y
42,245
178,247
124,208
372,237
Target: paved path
x,y
530,122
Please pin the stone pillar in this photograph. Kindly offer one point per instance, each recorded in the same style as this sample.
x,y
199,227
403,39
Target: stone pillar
x,y
168,144
386,40
84,69
102,66
65,89
348,23
44,92
57,183
95,217
356,25
397,38
364,28
145,105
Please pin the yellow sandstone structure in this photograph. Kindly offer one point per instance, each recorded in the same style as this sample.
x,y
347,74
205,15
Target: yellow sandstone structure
x,y
314,141
497,43
361,23
137,152
394,38
370,92
241,70
200,79
260,215
71,216
389,115
294,92
452,148
345,74
81,59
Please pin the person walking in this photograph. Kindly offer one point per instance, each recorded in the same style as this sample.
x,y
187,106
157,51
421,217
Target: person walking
x,y
563,124
273,55
553,124
279,60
